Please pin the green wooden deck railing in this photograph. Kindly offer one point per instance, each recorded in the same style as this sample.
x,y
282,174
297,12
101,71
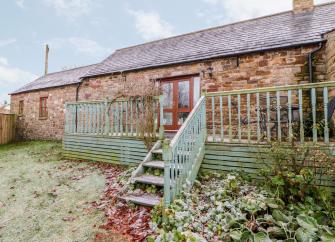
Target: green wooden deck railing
x,y
118,118
275,113
183,156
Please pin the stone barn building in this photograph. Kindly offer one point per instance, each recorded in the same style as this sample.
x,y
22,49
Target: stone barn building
x,y
292,47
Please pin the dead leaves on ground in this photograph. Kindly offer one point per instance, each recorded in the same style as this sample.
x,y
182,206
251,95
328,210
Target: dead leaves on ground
x,y
130,221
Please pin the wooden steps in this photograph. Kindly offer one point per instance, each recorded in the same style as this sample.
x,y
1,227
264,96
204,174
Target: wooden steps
x,y
154,164
145,174
144,200
158,152
150,179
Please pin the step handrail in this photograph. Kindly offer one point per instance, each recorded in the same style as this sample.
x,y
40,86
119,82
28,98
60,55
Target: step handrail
x,y
184,154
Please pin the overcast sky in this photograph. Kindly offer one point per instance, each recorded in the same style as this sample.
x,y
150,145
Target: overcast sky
x,y
81,32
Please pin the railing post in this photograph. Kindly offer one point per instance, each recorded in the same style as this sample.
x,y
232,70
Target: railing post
x,y
161,120
167,156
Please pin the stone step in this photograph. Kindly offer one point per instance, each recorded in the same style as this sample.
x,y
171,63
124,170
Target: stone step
x,y
150,179
149,200
159,151
156,164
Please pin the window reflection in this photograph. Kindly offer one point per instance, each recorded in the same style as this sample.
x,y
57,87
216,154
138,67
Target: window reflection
x,y
167,118
167,95
184,94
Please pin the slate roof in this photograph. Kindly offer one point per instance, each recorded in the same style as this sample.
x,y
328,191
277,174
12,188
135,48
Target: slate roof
x,y
56,79
270,32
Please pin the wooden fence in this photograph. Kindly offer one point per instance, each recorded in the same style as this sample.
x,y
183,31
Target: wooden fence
x,y
277,113
7,128
122,117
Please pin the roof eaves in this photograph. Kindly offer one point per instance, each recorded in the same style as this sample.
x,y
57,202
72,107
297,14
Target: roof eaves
x,y
43,88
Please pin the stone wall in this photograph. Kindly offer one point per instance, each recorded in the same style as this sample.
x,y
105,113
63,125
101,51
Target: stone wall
x,y
273,68
330,56
30,126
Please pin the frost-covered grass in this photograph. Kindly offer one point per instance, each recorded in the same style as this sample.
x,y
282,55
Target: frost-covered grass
x,y
45,198
226,207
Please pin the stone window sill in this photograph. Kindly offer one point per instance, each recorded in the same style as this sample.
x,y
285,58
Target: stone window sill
x,y
43,118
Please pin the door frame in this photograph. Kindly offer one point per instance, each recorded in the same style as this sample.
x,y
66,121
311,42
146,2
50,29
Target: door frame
x,y
175,110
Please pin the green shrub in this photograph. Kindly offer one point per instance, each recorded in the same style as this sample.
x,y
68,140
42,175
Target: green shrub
x,y
295,173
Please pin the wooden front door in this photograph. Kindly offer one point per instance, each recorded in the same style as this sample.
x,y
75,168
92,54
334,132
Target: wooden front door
x,y
180,96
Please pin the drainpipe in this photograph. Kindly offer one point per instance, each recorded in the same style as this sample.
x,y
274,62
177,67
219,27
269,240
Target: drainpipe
x,y
310,62
77,91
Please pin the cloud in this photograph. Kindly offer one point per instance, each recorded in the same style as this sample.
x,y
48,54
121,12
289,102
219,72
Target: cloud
x,y
6,42
71,9
87,46
20,3
224,11
150,25
11,78
80,45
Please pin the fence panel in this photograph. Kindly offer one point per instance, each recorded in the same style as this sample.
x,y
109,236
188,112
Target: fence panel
x,y
302,112
131,117
7,128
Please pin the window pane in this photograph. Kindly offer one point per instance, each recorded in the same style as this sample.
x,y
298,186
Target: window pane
x,y
167,95
184,94
196,95
167,118
182,117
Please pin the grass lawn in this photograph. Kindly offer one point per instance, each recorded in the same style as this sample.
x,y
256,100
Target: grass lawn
x,y
45,198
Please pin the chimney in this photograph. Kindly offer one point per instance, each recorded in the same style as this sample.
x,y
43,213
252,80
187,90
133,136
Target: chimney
x,y
300,6
46,64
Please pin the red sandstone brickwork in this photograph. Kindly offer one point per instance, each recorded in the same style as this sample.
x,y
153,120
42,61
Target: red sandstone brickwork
x,y
30,126
330,56
273,68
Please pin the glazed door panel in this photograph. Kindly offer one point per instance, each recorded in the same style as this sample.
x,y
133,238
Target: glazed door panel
x,y
180,96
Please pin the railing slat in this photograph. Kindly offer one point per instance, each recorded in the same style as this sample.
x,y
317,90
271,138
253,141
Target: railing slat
x,y
221,120
126,104
301,117
325,109
107,118
121,118
239,117
258,118
117,119
213,119
315,135
268,116
278,116
230,121
289,106
248,117
131,118
137,117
